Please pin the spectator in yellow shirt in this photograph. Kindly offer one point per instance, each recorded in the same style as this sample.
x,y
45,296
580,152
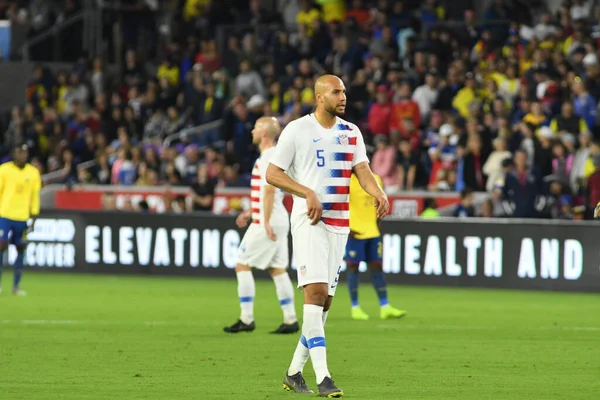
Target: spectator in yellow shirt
x,y
194,8
307,17
169,70
466,96
333,10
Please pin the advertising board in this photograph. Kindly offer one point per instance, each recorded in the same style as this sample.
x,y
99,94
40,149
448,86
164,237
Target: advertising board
x,y
495,253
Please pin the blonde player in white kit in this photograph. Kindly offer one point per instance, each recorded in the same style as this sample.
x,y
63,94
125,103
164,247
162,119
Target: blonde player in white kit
x,y
265,243
319,152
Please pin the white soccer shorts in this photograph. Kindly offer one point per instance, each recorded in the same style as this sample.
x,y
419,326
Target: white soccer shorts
x,y
258,251
318,254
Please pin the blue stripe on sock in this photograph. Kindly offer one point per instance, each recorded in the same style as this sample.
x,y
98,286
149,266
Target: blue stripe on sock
x,y
354,303
303,341
318,341
284,302
383,302
246,299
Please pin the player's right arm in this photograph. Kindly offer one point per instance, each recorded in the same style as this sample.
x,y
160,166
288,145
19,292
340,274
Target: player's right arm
x,y
285,151
2,169
243,219
35,195
268,201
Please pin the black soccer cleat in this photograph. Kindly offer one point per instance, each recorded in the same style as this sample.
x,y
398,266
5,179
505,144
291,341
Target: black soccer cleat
x,y
287,328
296,383
239,326
328,389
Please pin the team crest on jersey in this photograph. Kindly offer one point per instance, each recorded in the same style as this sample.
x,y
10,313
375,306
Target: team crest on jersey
x,y
343,139
344,127
303,270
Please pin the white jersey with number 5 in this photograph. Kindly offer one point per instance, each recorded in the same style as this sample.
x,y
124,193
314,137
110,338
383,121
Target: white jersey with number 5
x,y
322,160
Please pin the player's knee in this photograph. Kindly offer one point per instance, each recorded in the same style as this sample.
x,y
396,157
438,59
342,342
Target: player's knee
x,y
242,267
375,266
276,271
21,248
316,293
352,267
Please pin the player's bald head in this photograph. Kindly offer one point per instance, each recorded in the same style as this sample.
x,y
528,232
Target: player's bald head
x,y
330,93
270,125
326,83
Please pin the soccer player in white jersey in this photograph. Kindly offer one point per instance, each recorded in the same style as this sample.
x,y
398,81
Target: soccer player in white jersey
x,y
320,152
265,243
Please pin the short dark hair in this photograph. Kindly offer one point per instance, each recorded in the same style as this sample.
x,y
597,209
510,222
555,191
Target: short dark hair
x,y
465,192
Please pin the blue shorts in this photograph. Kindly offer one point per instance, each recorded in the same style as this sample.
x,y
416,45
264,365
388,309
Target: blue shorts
x,y
366,250
15,231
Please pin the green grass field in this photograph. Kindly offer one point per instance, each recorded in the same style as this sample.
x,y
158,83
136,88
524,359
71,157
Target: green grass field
x,y
107,337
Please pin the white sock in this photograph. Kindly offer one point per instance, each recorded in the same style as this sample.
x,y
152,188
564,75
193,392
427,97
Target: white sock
x,y
246,293
285,294
314,332
302,354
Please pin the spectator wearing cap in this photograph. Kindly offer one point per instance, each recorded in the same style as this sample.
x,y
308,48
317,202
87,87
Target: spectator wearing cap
x,y
539,149
443,154
565,204
522,189
493,165
593,184
380,113
383,162
426,95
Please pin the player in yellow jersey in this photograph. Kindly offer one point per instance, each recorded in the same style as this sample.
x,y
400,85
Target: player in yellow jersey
x,y
20,185
365,244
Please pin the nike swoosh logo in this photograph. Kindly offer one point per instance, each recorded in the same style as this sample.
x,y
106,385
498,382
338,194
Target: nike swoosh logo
x,y
316,140
333,286
319,342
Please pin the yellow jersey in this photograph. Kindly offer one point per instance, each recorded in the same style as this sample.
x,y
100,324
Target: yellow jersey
x,y
192,8
19,191
308,18
363,214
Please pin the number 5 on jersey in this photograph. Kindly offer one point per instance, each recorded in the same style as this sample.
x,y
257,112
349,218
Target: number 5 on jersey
x,y
320,158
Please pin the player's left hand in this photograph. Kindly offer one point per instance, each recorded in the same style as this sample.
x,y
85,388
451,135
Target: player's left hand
x,y
31,225
243,219
383,205
270,233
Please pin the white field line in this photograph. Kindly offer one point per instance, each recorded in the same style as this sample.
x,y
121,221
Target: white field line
x,y
392,326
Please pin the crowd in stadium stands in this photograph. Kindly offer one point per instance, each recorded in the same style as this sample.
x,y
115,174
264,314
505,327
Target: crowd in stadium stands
x,y
489,104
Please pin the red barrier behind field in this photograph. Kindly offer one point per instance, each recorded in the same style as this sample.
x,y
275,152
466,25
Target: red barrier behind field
x,y
226,201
